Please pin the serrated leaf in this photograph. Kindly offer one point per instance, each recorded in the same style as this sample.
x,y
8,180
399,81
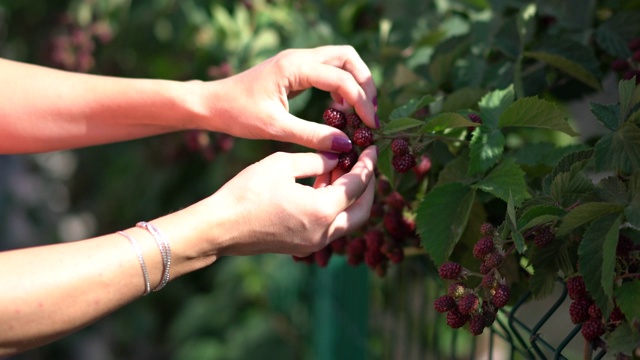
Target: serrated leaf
x,y
567,188
632,211
384,163
487,146
620,150
507,179
455,170
597,256
616,31
611,42
445,121
444,56
465,98
442,217
575,161
517,237
507,39
627,296
537,215
607,115
623,339
585,213
570,67
410,107
612,189
538,113
493,104
629,97
545,267
401,124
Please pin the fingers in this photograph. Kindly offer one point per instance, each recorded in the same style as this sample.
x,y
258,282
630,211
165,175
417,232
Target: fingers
x,y
311,134
355,215
347,58
303,165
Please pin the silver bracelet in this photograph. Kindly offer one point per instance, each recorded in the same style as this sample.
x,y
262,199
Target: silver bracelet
x,y
165,251
143,265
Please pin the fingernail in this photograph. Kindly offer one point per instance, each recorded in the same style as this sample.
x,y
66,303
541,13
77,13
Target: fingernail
x,y
377,121
340,144
377,151
329,155
375,103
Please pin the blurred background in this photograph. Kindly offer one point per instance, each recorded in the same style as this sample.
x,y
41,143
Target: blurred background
x,y
246,307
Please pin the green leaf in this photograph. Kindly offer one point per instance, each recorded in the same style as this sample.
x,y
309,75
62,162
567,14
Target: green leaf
x,y
632,211
487,146
614,34
545,262
597,256
441,218
538,113
505,181
401,124
540,214
455,170
518,239
623,339
574,161
569,187
526,24
384,163
629,97
465,98
445,121
620,150
444,56
493,104
585,213
571,57
411,107
611,42
627,296
611,189
507,39
608,115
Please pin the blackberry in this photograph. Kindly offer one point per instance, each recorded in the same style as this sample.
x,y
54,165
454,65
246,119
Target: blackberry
x,y
592,329
309,259
393,252
455,319
403,163
322,256
374,239
353,120
475,118
483,247
444,303
456,290
484,269
579,310
339,245
501,296
476,324
616,315
450,270
400,146
489,281
487,229
576,287
374,257
544,237
346,160
619,65
356,246
494,259
395,200
488,313
468,304
334,117
634,44
594,311
363,137
625,245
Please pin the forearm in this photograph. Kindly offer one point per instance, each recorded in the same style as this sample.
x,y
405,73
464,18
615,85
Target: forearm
x,y
51,291
46,109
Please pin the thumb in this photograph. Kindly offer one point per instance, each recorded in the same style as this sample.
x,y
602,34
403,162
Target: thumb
x,y
311,134
304,165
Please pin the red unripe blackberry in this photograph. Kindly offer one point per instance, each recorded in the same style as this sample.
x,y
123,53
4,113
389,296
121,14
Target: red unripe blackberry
x,y
579,310
403,163
501,296
576,287
309,259
363,137
450,270
377,211
456,290
444,303
484,269
346,160
487,229
339,245
374,239
625,245
594,311
393,252
400,146
483,247
488,313
455,319
395,201
616,315
592,329
494,259
395,224
383,187
544,237
355,260
322,256
619,65
356,246
422,167
335,118
475,118
476,324
489,281
374,257
468,304
353,120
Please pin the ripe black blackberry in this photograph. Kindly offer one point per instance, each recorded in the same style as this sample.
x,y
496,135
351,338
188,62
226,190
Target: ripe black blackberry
x,y
455,319
400,146
544,237
625,245
334,117
468,304
444,303
579,310
592,329
488,313
616,315
501,296
576,287
477,324
450,270
353,120
403,163
483,247
346,160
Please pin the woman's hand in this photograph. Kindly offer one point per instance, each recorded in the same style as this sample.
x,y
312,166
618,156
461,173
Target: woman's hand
x,y
254,103
264,210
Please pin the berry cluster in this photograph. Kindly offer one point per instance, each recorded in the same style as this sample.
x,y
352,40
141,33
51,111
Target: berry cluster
x,y
475,306
629,67
360,135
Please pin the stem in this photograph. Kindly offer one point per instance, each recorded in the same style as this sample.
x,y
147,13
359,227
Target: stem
x,y
588,351
629,275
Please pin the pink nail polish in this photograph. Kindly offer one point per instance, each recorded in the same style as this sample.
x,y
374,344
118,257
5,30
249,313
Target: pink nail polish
x,y
341,144
375,103
329,155
377,121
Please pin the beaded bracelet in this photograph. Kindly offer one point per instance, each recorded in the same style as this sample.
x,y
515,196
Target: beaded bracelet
x,y
143,265
165,251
